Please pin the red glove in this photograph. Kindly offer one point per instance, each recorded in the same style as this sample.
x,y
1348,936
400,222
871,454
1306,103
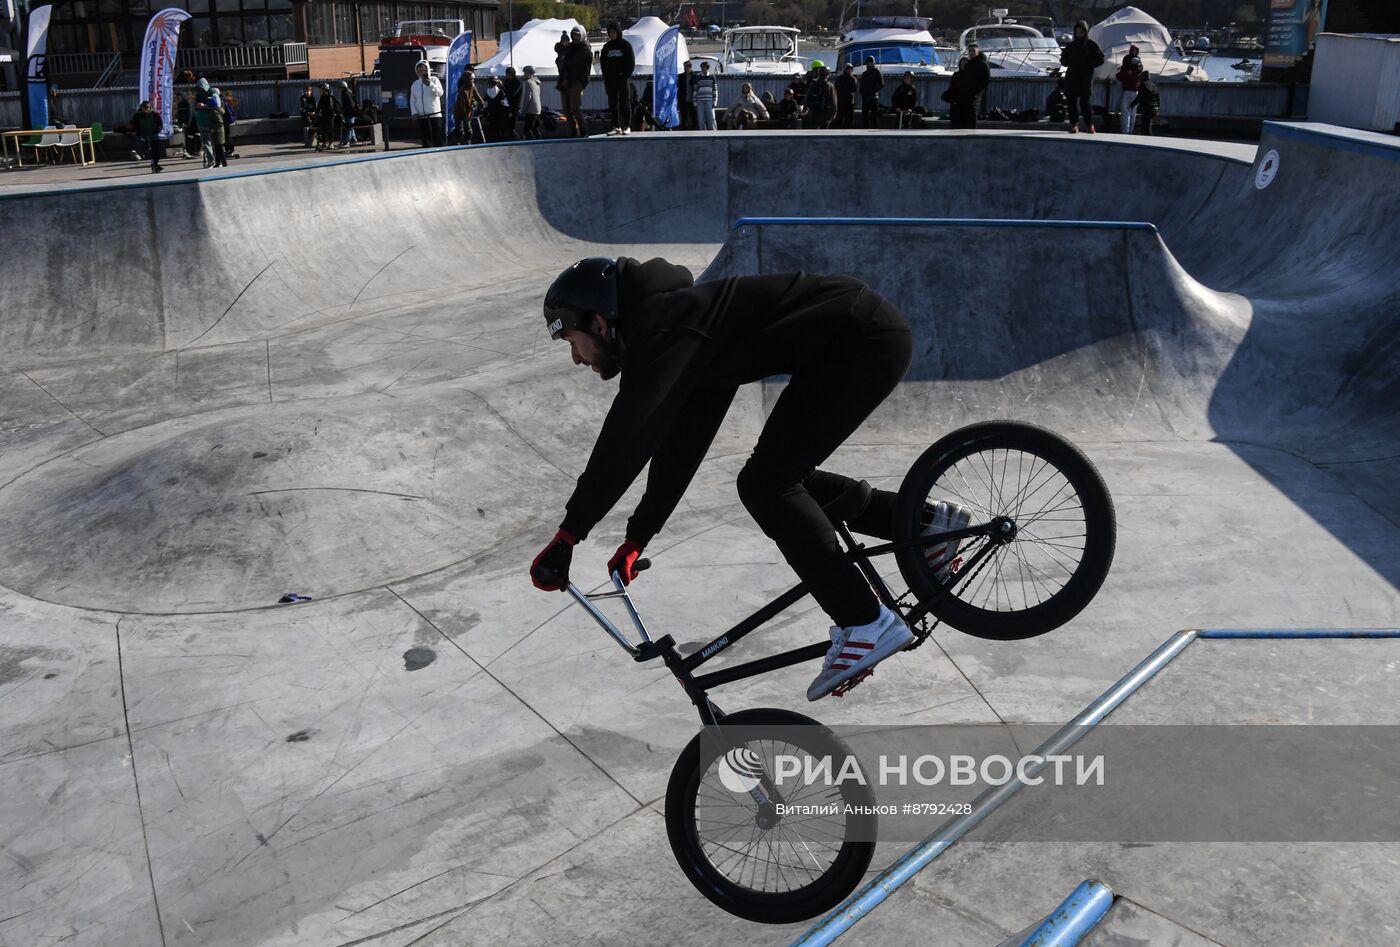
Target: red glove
x,y
550,570
624,560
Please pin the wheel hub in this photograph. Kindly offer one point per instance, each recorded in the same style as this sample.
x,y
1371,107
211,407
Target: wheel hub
x,y
1003,529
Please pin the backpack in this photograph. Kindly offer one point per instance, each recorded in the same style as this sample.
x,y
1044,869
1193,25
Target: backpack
x,y
818,100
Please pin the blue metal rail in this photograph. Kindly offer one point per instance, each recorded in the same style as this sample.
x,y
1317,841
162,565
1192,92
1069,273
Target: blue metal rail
x,y
874,893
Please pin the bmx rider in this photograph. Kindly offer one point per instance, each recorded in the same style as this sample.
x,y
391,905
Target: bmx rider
x,y
681,352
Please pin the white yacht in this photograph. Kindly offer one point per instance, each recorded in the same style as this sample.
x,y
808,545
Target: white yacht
x,y
761,51
1160,54
1012,48
899,44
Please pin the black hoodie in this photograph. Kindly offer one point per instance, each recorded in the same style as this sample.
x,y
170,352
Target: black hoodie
x,y
617,60
686,351
1080,58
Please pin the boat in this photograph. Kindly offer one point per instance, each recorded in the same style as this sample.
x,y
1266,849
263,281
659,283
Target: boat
x,y
899,44
531,45
1161,56
400,51
644,35
1013,48
761,51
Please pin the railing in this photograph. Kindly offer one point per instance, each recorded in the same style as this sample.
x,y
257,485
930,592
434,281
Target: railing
x,y
81,64
241,57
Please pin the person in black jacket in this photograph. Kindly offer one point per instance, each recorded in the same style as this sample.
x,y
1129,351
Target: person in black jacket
x,y
1147,103
872,81
685,102
327,117
618,61
969,84
905,99
845,86
574,58
1080,58
682,351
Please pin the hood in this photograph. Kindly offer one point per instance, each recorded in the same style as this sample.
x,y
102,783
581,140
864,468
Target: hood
x,y
203,84
1083,23
636,281
1133,50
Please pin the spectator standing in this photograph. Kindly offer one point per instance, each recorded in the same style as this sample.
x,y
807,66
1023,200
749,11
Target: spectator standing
x,y
820,103
704,90
845,86
971,81
425,103
184,118
872,83
349,117
466,108
308,116
617,61
146,124
789,111
747,110
201,121
499,124
217,128
531,103
1080,58
1128,78
905,100
514,90
327,108
1147,103
230,102
685,97
575,60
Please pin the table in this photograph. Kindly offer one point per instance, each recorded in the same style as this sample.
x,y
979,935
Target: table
x,y
84,134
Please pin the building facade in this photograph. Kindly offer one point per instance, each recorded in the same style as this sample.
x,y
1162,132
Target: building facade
x,y
98,39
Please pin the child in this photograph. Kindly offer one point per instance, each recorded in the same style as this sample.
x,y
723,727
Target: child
x,y
1147,103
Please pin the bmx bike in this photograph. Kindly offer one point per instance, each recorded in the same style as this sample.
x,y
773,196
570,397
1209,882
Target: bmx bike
x,y
1036,551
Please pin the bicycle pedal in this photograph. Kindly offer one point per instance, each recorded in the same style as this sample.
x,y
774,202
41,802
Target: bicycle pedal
x,y
840,690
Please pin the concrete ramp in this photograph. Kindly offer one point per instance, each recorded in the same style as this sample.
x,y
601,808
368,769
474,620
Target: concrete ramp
x,y
334,381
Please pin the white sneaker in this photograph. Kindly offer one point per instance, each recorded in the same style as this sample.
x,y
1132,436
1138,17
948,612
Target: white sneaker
x,y
857,649
614,131
946,518
627,131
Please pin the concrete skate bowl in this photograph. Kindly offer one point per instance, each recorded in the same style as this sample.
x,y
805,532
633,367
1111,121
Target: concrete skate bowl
x,y
327,340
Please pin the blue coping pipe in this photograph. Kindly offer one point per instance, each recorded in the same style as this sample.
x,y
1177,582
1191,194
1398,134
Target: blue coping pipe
x,y
1075,917
862,902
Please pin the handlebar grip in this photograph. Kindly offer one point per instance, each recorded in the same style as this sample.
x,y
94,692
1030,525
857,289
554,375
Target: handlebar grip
x,y
545,575
641,565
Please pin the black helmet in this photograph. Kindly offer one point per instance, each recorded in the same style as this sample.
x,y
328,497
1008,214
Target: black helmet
x,y
586,287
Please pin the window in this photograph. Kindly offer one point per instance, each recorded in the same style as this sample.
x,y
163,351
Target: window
x,y
255,31
320,26
281,29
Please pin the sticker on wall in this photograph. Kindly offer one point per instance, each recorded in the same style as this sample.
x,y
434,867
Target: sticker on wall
x,y
1268,170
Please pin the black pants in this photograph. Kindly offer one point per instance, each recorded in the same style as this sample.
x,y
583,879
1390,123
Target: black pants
x,y
430,131
963,115
619,104
1079,103
870,108
845,117
156,144
532,127
1143,126
826,400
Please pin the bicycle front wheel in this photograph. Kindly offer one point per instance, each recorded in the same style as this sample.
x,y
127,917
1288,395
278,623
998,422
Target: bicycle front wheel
x,y
739,848
1057,538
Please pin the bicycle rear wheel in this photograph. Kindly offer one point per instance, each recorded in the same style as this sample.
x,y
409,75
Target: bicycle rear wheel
x,y
753,863
1042,570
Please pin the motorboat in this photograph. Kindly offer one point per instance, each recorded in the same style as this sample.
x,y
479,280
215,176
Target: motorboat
x,y
898,44
1015,46
761,51
1161,56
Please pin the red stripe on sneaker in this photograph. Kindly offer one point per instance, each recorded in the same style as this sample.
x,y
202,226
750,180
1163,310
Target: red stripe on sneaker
x,y
860,644
851,657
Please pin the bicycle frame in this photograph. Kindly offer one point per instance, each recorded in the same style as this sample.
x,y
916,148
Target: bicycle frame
x,y
999,531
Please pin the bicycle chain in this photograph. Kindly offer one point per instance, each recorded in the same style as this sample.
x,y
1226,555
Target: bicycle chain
x,y
925,630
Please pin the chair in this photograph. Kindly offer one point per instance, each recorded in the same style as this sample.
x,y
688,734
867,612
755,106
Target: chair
x,y
70,137
38,142
97,136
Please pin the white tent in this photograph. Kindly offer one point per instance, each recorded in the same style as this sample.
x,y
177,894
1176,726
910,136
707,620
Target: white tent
x,y
531,45
643,36
1131,27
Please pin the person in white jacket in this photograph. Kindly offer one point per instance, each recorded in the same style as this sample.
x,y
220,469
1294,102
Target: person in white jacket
x,y
425,102
747,110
